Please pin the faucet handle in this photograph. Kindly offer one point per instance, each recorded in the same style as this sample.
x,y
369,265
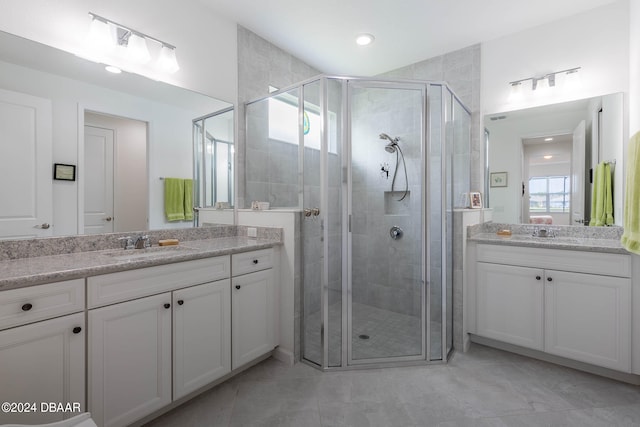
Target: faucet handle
x,y
128,244
142,242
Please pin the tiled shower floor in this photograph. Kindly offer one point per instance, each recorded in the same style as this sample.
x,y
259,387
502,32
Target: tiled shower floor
x,y
389,334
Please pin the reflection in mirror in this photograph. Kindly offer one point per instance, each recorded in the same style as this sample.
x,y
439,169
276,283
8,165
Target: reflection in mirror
x,y
213,162
541,160
58,88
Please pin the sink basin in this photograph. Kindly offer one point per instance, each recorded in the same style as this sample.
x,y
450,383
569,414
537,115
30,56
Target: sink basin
x,y
133,254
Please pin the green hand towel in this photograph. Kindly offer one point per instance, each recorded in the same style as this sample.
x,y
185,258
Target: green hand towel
x,y
174,199
602,198
631,237
188,199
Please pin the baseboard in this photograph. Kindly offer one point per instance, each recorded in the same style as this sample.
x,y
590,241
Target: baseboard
x,y
284,355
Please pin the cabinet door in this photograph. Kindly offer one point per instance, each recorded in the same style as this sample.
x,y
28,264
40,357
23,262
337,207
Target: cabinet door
x,y
201,336
588,318
253,317
129,360
509,304
43,362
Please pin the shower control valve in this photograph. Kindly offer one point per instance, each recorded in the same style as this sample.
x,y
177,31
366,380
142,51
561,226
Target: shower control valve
x,y
396,232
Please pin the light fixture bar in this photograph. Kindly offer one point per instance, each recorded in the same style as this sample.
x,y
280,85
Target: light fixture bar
x,y
132,31
550,76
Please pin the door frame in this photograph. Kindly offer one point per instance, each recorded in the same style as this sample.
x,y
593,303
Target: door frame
x,y
347,324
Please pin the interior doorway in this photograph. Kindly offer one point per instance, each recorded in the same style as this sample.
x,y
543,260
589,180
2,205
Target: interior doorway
x,y
115,177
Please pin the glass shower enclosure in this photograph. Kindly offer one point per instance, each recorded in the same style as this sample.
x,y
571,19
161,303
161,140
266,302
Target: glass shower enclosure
x,y
375,168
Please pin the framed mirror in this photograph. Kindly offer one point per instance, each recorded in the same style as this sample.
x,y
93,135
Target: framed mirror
x,y
71,102
545,157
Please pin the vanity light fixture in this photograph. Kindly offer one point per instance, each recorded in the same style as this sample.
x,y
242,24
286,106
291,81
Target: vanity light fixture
x,y
548,80
364,39
107,34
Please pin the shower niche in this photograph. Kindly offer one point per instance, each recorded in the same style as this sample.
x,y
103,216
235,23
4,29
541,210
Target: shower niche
x,y
377,157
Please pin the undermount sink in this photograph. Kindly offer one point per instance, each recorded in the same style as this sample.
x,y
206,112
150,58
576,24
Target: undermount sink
x,y
133,254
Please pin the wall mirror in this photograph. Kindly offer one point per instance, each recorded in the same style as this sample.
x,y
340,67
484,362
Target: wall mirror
x,y
48,100
541,160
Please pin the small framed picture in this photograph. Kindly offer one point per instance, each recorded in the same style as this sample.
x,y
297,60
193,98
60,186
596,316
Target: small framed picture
x,y
475,200
498,179
64,172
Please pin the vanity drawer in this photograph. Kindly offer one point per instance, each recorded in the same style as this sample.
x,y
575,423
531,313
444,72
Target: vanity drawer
x,y
248,262
27,305
127,285
557,259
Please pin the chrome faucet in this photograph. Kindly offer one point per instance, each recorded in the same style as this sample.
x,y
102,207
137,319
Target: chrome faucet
x,y
128,242
143,242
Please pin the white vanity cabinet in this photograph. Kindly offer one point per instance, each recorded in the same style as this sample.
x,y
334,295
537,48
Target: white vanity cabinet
x,y
150,350
253,306
510,303
201,336
567,303
42,357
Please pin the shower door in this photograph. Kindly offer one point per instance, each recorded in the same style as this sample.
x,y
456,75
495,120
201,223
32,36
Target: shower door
x,y
386,205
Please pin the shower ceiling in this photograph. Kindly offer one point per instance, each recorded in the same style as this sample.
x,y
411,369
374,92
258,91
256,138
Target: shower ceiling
x,y
323,33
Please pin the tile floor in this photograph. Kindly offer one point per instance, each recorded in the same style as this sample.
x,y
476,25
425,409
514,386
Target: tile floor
x,y
389,334
481,388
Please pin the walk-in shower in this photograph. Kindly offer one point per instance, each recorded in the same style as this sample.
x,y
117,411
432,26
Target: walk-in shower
x,y
376,268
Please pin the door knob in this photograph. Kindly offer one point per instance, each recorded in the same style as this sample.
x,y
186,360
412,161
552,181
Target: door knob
x,y
44,225
108,218
549,279
77,330
180,302
167,305
27,307
237,286
538,277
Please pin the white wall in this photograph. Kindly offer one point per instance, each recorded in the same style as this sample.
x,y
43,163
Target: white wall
x,y
169,127
634,67
597,41
64,25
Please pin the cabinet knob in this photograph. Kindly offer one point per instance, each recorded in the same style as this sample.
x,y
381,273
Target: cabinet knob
x,y
549,279
237,286
255,261
77,330
27,307
538,277
167,305
180,302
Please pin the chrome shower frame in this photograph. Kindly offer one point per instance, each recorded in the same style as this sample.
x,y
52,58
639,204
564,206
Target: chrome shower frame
x,y
347,83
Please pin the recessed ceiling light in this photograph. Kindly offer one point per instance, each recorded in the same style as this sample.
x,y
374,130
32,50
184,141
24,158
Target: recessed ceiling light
x,y
112,69
547,157
548,139
364,39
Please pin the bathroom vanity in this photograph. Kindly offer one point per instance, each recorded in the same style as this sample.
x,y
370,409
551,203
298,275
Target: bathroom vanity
x,y
570,297
150,328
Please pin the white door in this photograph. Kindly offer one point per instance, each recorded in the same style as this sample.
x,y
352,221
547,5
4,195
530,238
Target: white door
x,y
26,210
43,362
129,360
253,317
578,174
588,318
201,336
98,187
509,304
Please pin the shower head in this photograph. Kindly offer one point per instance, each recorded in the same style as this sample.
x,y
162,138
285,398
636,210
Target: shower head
x,y
393,143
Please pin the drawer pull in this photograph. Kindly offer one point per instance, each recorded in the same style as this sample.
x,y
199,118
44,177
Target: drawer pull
x,y
180,302
77,330
549,279
237,286
167,305
255,261
27,307
538,277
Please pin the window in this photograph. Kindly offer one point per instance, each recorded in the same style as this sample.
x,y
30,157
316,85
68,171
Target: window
x,y
283,122
549,194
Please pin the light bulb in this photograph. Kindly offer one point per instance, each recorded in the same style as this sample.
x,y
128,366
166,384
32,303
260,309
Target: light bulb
x,y
137,49
167,61
101,35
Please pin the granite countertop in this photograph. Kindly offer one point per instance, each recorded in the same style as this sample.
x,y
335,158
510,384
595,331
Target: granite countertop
x,y
561,242
24,272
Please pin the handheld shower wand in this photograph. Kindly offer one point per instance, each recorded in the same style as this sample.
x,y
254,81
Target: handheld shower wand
x,y
394,147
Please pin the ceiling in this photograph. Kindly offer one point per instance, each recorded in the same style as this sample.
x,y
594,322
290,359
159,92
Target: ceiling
x,y
406,31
